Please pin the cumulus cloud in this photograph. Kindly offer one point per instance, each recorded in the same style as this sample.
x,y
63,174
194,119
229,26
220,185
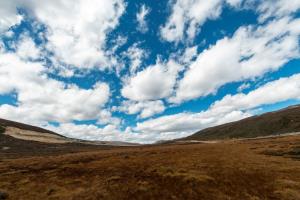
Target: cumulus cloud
x,y
78,37
188,16
189,54
183,124
41,99
154,82
228,109
278,8
107,133
105,117
136,56
144,108
253,52
26,48
8,15
37,66
111,133
286,88
141,18
88,132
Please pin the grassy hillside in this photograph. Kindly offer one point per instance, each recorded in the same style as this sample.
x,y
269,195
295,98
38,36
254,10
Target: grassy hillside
x,y
273,123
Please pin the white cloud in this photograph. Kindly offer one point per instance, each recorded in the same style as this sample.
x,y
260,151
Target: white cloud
x,y
8,15
76,34
235,3
9,33
105,117
243,87
136,56
78,37
183,124
189,54
26,48
110,133
14,72
286,89
278,8
253,52
118,42
154,82
230,108
188,16
144,108
2,47
140,17
88,132
41,99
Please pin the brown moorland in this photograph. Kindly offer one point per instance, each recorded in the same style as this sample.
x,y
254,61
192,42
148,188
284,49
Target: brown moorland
x,y
234,169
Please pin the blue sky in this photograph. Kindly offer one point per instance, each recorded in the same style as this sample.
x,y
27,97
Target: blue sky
x,y
143,71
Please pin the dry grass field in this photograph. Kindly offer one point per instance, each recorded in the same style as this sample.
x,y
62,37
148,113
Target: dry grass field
x,y
247,169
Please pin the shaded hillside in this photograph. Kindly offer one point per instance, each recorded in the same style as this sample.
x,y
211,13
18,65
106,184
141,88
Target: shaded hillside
x,y
273,123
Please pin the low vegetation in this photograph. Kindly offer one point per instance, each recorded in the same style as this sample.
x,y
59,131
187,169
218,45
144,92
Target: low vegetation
x,y
225,170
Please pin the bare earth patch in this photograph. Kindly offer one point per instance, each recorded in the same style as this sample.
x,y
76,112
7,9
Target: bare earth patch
x,y
34,136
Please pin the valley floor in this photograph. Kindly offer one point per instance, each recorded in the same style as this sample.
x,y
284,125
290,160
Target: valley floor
x,y
247,169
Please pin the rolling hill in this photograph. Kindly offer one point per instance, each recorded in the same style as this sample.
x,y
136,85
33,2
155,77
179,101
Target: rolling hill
x,y
25,140
32,133
273,123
